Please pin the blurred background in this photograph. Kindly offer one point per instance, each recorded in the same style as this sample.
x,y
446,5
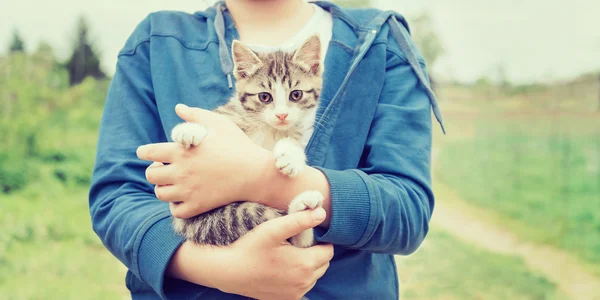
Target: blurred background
x,y
517,177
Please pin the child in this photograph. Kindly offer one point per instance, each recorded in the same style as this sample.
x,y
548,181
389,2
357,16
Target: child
x,y
369,156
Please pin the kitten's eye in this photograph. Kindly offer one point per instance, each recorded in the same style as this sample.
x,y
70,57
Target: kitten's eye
x,y
265,97
296,95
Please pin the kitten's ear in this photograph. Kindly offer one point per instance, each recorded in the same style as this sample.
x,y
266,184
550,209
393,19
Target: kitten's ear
x,y
308,56
245,61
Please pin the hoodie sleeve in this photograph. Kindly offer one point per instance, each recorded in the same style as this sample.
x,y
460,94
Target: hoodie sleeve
x,y
385,205
130,221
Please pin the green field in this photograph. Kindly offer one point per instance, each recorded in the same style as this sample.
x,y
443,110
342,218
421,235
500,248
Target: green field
x,y
49,250
539,174
446,268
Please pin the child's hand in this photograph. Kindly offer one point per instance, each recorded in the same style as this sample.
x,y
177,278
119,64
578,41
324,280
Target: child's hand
x,y
267,267
261,264
225,167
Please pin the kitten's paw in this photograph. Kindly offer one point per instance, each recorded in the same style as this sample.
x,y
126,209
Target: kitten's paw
x,y
289,165
188,134
306,200
289,157
304,239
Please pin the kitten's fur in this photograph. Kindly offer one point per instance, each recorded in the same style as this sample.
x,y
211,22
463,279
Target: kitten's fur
x,y
271,89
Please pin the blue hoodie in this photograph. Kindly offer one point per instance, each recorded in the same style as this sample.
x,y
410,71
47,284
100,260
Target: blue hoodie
x,y
374,146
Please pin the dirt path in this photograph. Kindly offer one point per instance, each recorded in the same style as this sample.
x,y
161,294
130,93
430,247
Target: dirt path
x,y
558,266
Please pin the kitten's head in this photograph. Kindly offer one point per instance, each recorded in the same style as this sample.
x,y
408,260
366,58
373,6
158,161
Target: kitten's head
x,y
279,89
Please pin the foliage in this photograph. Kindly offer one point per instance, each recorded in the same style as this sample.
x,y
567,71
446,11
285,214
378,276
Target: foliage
x,y
48,249
49,136
14,173
17,44
502,77
84,60
39,116
426,37
354,3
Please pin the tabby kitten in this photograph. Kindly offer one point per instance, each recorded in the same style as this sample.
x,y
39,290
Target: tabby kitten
x,y
275,104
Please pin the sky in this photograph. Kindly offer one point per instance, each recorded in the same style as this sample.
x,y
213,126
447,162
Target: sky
x,y
532,40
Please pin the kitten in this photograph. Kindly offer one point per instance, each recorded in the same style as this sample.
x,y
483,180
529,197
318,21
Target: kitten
x,y
275,104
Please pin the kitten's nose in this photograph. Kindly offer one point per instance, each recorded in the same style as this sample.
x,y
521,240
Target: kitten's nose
x,y
281,116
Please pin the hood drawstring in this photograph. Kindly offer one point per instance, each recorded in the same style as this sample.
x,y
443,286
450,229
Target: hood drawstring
x,y
226,60
400,36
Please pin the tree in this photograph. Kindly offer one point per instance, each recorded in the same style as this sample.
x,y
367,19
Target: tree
x,y
502,78
44,54
427,40
422,31
354,3
84,61
17,44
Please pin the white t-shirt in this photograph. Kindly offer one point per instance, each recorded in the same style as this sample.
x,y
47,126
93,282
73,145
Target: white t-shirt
x,y
321,22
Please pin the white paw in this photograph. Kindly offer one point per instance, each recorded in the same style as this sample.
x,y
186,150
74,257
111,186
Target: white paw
x,y
304,239
289,157
188,134
288,165
306,200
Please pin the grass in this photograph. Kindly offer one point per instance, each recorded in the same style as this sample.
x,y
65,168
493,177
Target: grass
x,y
446,268
539,173
48,249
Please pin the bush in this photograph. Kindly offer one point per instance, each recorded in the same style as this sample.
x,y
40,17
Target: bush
x,y
44,124
14,172
73,173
